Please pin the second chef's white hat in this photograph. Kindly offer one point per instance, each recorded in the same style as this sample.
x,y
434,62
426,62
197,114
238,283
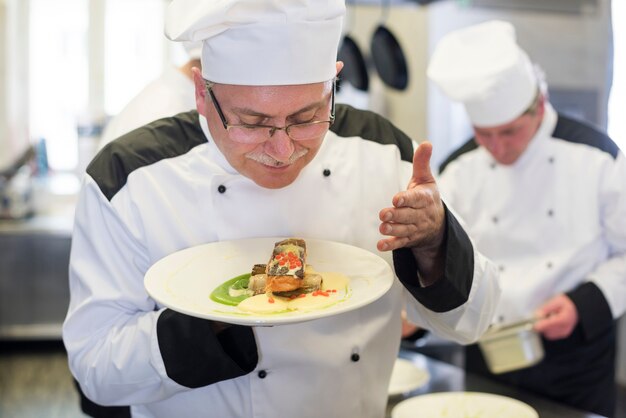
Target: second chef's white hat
x,y
483,67
261,42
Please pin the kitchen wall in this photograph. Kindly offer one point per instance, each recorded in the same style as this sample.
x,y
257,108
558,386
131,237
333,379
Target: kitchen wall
x,y
574,49
13,76
408,22
3,77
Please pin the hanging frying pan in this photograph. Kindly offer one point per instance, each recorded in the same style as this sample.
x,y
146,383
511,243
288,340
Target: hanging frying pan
x,y
388,56
354,69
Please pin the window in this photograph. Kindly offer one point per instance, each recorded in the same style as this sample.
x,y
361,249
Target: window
x,y
71,85
58,76
134,52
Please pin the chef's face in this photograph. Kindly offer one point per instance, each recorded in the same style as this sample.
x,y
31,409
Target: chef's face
x,y
277,160
507,142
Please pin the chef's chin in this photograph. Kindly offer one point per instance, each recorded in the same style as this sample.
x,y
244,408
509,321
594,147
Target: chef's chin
x,y
275,177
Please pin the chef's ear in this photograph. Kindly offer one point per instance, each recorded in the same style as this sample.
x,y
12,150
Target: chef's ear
x,y
201,92
541,106
339,67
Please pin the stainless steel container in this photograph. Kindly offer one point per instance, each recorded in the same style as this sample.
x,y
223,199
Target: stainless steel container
x,y
511,347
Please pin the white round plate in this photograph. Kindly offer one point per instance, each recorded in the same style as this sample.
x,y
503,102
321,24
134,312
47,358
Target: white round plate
x,y
462,405
406,377
184,280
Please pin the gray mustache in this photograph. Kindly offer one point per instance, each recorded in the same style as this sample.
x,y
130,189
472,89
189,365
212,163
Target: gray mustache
x,y
268,160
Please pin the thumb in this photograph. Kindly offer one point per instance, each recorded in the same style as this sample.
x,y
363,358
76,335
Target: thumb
x,y
421,164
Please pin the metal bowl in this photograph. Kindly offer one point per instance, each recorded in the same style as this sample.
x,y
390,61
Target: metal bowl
x,y
511,347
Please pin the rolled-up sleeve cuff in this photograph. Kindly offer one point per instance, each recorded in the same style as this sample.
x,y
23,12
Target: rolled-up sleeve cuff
x,y
195,355
594,312
452,290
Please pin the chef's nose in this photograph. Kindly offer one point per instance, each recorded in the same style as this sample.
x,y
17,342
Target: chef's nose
x,y
496,145
280,146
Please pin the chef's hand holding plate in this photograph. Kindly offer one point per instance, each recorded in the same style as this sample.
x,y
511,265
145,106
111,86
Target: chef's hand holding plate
x,y
559,318
417,219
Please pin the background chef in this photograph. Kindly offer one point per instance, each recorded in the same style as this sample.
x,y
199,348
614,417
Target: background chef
x,y
171,93
312,170
544,196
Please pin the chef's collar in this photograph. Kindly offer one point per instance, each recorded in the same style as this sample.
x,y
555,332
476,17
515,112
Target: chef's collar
x,y
261,42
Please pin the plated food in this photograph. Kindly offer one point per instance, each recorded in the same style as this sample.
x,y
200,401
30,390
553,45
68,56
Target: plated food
x,y
184,280
285,283
285,270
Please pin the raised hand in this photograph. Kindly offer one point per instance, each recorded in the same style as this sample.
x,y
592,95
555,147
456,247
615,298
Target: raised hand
x,y
417,218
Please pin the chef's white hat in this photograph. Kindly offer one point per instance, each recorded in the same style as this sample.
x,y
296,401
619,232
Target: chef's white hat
x,y
261,42
483,67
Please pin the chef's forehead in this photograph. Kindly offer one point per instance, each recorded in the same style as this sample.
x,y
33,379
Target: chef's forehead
x,y
261,42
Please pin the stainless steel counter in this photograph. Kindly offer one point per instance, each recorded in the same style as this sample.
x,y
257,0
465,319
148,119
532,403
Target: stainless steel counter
x,y
449,378
34,257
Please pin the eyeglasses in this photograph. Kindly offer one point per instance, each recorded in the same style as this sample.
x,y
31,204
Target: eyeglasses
x,y
256,134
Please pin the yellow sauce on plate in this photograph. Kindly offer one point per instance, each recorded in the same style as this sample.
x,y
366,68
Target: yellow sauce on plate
x,y
269,304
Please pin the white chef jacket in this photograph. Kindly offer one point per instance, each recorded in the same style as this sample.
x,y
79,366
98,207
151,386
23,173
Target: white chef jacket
x,y
171,93
553,222
155,201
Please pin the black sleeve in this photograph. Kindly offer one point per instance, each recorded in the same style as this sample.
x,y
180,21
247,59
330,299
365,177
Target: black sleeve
x,y
453,289
198,352
594,313
92,409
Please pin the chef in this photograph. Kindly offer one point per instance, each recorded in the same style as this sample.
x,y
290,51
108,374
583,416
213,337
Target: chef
x,y
266,154
544,196
171,93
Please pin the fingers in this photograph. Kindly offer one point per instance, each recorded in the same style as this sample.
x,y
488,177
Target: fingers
x,y
390,244
411,207
415,198
555,305
400,228
559,318
555,327
397,230
424,230
421,164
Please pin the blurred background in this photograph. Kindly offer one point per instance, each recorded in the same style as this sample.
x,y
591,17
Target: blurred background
x,y
68,66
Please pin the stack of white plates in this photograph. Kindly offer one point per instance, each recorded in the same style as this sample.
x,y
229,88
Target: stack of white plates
x,y
406,377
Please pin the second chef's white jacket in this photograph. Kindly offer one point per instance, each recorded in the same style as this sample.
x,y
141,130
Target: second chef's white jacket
x,y
553,222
